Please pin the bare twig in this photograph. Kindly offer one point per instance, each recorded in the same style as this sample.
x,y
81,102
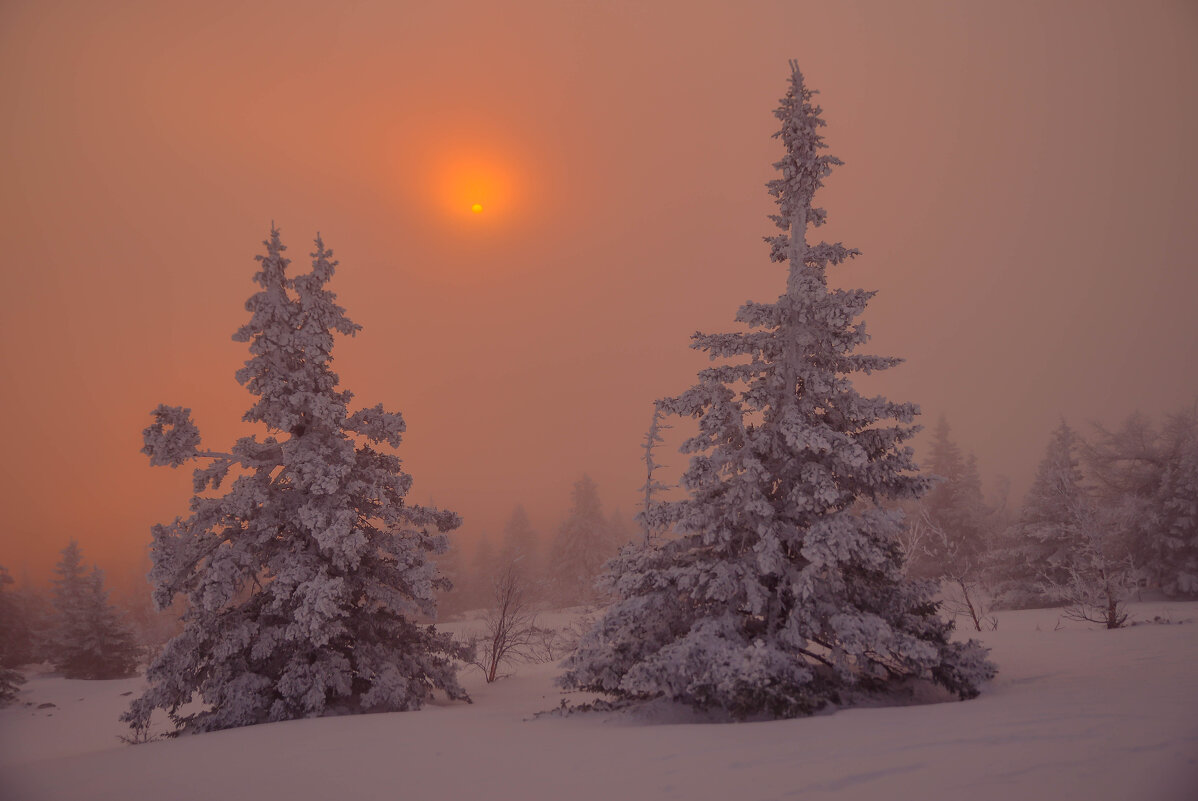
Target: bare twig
x,y
510,630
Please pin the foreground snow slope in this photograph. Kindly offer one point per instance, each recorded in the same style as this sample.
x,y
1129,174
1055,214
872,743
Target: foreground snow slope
x,y
1076,713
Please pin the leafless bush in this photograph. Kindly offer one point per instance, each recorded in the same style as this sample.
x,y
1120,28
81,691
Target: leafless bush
x,y
964,597
912,540
510,630
960,571
140,736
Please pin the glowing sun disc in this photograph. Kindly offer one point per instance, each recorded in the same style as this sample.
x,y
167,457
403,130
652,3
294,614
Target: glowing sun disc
x,y
476,208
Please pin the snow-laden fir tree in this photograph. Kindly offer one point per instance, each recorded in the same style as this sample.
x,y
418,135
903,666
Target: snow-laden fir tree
x,y
90,639
11,629
583,544
1036,552
784,590
305,576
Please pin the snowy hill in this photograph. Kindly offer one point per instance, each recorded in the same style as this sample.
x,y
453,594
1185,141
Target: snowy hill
x,y
1075,713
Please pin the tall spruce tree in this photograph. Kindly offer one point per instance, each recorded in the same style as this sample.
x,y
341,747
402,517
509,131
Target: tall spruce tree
x,y
784,589
90,640
304,578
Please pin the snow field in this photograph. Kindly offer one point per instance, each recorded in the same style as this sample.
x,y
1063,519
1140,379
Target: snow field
x,y
1075,713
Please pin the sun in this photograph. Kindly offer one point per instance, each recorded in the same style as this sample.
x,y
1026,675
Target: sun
x,y
475,187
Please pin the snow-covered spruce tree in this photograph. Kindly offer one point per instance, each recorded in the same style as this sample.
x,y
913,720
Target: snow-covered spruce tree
x,y
784,590
1035,552
304,577
583,544
89,640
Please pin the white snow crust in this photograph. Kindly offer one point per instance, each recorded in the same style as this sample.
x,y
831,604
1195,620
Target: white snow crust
x,y
1075,713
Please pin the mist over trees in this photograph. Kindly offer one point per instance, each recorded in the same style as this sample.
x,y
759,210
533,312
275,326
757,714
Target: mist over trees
x,y
89,638
12,632
304,578
25,622
783,589
585,541
807,560
949,534
1034,553
77,626
1107,519
557,569
653,487
1149,471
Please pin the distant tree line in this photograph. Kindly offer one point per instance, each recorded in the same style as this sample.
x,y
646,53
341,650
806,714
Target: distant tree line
x,y
558,570
76,630
1107,518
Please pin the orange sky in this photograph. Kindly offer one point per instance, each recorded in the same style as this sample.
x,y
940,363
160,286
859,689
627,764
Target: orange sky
x,y
1021,177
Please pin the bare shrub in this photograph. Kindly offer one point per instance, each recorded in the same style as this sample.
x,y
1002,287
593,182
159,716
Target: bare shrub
x,y
960,569
510,630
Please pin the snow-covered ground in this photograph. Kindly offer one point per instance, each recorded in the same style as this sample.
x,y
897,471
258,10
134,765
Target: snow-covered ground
x,y
1075,713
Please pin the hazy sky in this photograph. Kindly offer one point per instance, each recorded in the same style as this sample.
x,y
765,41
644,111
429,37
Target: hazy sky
x,y
1021,177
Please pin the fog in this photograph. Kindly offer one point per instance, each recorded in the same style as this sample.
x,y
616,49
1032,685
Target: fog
x,y
1020,177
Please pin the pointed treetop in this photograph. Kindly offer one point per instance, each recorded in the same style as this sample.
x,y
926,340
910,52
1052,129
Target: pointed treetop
x,y
802,168
274,264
